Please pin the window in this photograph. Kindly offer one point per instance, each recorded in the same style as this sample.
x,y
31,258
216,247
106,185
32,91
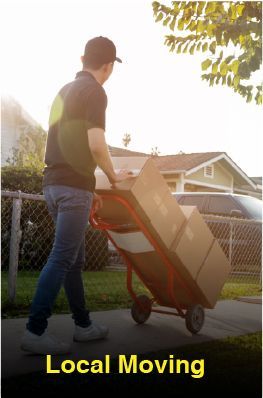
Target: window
x,y
221,206
209,171
194,200
252,205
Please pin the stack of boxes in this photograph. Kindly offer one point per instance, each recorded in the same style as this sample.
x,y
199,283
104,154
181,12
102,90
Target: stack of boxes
x,y
180,231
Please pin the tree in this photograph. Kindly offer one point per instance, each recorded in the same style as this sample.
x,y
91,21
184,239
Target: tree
x,y
155,151
126,139
230,32
31,149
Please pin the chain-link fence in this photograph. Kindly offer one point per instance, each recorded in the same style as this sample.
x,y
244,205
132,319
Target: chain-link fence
x,y
27,228
241,241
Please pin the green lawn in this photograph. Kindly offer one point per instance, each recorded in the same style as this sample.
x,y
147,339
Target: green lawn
x,y
232,368
104,290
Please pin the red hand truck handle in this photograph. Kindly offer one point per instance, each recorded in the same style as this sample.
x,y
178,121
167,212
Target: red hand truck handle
x,y
97,222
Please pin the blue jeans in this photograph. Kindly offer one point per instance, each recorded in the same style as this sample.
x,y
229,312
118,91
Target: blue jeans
x,y
70,208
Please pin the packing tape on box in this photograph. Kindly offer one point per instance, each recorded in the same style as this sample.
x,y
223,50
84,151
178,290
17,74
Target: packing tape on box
x,y
133,242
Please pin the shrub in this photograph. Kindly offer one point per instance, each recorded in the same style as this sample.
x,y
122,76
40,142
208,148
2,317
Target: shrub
x,y
37,226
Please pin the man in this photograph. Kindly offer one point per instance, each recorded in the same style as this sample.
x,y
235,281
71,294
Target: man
x,y
75,146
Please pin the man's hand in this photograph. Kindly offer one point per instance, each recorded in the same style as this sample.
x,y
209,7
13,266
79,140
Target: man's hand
x,y
97,202
121,176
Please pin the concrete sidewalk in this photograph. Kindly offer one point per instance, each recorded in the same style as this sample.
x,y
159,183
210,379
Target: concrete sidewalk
x,y
229,318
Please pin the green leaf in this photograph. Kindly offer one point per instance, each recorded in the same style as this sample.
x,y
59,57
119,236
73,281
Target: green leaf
x,y
244,70
192,49
198,46
204,47
159,17
234,66
192,26
236,81
229,59
211,7
212,47
259,99
176,6
205,65
249,97
172,24
179,48
180,25
240,9
214,68
210,30
242,39
254,63
233,8
212,79
218,78
186,47
167,20
205,76
155,6
200,27
219,37
200,7
172,47
223,69
229,81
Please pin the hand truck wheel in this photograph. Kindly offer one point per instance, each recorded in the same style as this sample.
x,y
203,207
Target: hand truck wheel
x,y
194,318
141,309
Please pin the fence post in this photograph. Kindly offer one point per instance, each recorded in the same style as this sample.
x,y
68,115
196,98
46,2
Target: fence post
x,y
14,249
231,243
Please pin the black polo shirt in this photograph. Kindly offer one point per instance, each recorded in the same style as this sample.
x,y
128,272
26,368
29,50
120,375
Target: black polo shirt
x,y
79,106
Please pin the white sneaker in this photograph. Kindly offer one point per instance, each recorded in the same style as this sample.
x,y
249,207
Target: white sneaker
x,y
44,344
92,332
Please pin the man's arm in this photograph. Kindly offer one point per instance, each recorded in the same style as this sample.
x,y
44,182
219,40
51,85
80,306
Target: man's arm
x,y
101,155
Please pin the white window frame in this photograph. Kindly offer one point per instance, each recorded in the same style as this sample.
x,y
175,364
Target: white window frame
x,y
213,171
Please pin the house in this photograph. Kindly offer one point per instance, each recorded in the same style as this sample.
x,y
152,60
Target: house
x,y
209,171
201,172
258,181
194,172
14,122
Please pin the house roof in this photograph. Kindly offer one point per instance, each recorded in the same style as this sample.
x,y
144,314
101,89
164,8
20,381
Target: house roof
x,y
184,161
257,180
188,163
11,109
121,152
192,162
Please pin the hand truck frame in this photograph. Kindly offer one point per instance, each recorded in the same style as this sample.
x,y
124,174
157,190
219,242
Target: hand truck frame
x,y
142,307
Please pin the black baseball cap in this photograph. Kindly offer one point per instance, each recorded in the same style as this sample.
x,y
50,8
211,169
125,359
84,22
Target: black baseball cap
x,y
101,50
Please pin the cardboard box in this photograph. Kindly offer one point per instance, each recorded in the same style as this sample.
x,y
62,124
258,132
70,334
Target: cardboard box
x,y
154,274
145,191
180,231
132,242
167,220
150,268
193,242
213,274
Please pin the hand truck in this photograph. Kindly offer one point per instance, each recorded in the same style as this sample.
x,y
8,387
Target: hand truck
x,y
142,306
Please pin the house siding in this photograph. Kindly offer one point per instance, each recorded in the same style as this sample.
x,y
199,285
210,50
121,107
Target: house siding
x,y
9,140
220,177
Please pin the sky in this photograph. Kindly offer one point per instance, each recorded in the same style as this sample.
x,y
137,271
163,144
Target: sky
x,y
156,96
